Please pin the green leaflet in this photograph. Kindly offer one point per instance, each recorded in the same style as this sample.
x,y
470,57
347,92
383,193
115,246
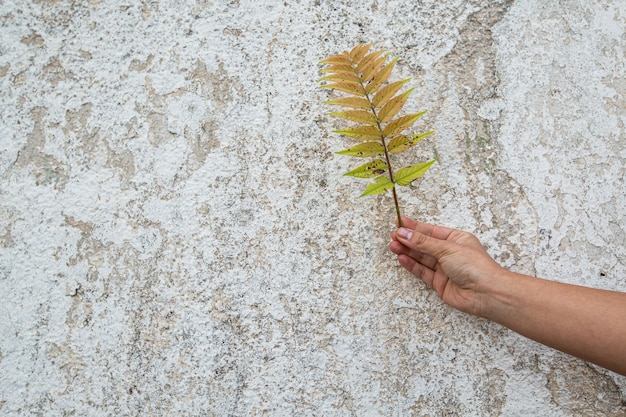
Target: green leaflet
x,y
407,175
381,185
364,150
368,170
401,143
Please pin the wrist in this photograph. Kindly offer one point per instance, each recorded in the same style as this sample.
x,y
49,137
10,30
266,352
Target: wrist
x,y
497,297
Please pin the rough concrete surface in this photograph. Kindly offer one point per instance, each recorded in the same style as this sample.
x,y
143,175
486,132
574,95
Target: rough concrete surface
x,y
176,237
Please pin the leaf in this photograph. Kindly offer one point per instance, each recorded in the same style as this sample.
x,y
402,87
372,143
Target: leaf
x,y
359,51
359,116
351,102
401,143
339,59
367,59
385,93
337,68
364,150
381,185
373,103
393,106
348,77
372,68
368,170
401,123
380,77
361,132
349,88
405,176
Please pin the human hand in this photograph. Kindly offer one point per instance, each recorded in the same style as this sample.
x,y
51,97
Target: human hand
x,y
452,262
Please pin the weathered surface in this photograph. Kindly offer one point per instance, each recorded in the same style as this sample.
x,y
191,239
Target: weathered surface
x,y
176,237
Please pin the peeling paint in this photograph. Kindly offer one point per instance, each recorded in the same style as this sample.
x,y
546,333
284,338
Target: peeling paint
x,y
176,237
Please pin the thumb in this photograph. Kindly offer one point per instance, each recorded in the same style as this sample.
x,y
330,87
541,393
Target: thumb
x,y
421,242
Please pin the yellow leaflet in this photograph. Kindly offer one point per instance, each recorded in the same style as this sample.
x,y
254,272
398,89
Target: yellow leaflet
x,y
351,102
361,132
407,175
401,143
359,116
349,88
393,106
371,68
337,68
364,150
342,77
401,123
380,77
369,59
339,59
359,51
385,93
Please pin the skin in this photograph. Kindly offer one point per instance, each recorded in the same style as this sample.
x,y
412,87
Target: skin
x,y
584,322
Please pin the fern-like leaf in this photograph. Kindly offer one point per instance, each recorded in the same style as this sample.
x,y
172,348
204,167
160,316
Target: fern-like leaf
x,y
374,104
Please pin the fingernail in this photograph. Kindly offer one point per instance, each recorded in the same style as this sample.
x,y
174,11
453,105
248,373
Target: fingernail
x,y
405,233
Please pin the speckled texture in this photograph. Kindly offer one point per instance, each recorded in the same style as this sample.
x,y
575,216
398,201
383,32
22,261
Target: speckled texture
x,y
176,237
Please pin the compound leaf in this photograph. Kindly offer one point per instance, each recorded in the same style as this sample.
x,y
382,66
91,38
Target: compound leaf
x,y
364,150
368,170
373,104
405,176
381,185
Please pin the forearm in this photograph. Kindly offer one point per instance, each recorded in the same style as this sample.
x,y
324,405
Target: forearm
x,y
584,322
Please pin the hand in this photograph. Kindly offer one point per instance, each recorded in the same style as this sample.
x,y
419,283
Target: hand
x,y
584,322
452,262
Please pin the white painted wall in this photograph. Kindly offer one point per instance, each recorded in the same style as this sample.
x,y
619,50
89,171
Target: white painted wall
x,y
176,237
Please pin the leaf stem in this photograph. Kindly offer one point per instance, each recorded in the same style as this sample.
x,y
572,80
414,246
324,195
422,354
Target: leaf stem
x,y
382,139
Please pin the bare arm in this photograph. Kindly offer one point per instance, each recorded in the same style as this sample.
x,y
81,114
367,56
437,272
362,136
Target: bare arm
x,y
584,322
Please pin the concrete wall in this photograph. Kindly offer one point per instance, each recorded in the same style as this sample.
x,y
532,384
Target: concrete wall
x,y
176,237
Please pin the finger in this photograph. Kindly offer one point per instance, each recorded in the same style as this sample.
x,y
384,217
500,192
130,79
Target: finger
x,y
407,222
422,243
438,232
400,249
427,275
